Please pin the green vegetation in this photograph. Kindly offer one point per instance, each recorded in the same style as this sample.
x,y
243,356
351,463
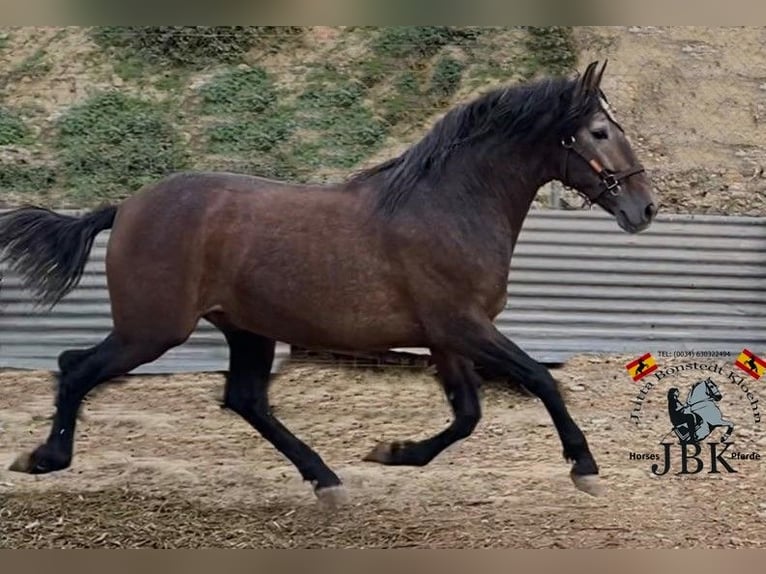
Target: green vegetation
x,y
112,144
415,94
419,42
446,77
34,66
551,50
347,130
25,178
401,62
404,101
337,128
257,135
239,91
248,119
12,128
191,46
282,102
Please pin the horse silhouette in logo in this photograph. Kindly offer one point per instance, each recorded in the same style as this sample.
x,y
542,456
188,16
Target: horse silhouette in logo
x,y
640,367
695,419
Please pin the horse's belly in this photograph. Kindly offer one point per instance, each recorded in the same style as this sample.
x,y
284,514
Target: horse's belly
x,y
339,332
338,320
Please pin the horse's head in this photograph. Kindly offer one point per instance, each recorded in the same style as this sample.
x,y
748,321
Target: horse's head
x,y
705,389
598,160
712,390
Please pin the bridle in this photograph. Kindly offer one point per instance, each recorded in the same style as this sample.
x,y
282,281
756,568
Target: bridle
x,y
610,181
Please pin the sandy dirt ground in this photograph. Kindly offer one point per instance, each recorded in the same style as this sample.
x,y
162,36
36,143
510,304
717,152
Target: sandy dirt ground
x,y
159,464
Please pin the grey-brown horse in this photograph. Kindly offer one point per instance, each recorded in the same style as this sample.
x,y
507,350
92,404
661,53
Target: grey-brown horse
x,y
414,252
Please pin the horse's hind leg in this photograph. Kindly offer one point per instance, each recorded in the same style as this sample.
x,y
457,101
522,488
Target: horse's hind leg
x,y
111,358
250,360
460,383
69,359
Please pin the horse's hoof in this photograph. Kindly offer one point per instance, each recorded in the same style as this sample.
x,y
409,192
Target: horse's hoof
x,y
400,452
588,483
42,460
332,497
381,453
23,463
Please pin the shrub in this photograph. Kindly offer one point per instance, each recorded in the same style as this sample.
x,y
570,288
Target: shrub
x,y
420,41
405,100
26,178
552,49
446,76
322,106
191,46
113,144
260,134
347,129
239,91
12,129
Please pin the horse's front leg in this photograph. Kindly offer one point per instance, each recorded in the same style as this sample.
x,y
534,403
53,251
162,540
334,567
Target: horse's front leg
x,y
729,429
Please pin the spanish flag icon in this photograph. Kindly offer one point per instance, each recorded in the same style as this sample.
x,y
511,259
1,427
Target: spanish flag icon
x,y
639,368
751,363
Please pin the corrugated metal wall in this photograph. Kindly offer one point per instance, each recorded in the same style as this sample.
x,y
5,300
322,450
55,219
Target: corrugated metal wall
x,y
578,284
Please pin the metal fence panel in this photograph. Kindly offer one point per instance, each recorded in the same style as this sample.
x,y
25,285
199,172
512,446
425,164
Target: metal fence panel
x,y
578,284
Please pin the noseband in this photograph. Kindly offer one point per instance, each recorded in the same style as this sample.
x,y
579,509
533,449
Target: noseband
x,y
610,181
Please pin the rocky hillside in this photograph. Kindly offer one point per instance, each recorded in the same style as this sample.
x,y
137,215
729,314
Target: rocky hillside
x,y
89,114
695,100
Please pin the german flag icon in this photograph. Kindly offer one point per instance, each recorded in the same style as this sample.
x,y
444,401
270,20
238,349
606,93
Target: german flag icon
x,y
639,368
752,364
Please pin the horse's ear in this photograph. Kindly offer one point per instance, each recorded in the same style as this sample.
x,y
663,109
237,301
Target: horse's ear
x,y
585,84
597,81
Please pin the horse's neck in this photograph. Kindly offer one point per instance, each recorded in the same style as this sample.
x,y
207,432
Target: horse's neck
x,y
483,192
696,394
507,179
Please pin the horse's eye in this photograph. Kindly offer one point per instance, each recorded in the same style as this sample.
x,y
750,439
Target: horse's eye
x,y
600,134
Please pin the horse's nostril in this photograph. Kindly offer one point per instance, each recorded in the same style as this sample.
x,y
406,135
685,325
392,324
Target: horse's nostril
x,y
650,211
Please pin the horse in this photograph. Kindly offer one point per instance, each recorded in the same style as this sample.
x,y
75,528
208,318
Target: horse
x,y
702,400
412,252
680,415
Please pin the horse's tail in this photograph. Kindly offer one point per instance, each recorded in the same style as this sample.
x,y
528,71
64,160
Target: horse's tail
x,y
49,250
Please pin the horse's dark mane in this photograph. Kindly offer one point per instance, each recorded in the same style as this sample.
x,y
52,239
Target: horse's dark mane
x,y
521,114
